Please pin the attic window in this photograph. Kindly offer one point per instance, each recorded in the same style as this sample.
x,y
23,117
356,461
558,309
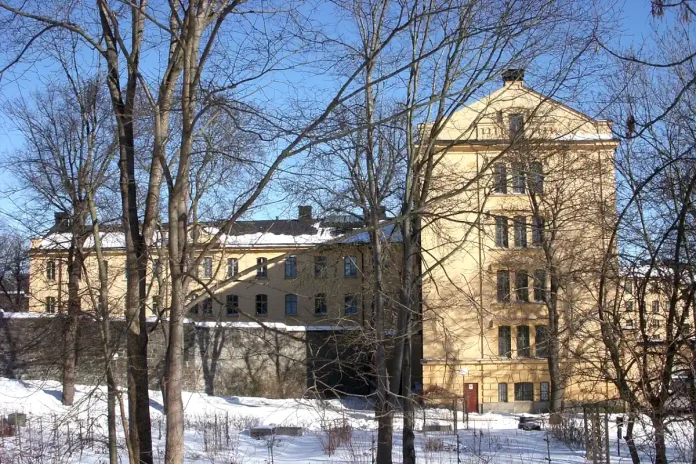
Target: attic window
x,y
516,125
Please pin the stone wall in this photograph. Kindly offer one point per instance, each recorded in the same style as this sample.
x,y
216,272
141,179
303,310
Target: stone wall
x,y
218,360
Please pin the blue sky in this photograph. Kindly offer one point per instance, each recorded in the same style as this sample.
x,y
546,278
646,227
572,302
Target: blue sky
x,y
634,18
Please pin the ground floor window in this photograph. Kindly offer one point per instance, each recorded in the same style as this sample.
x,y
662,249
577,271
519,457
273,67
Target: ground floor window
x,y
544,391
502,393
524,391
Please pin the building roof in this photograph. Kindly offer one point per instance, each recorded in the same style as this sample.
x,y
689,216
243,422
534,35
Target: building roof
x,y
246,234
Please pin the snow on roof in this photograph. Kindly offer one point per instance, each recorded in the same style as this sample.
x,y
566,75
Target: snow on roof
x,y
248,234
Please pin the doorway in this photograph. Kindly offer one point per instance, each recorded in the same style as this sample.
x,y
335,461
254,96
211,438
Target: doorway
x,y
471,397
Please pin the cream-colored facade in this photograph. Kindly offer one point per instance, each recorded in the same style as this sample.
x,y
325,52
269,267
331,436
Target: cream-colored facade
x,y
297,277
528,157
480,322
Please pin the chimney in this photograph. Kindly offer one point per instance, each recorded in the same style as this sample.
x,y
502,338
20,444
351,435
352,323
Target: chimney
x,y
513,75
62,221
304,213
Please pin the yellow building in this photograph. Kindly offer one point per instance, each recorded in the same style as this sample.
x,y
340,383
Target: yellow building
x,y
538,200
542,200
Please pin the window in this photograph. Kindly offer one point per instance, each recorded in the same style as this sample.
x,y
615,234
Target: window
x,y
232,305
290,305
656,306
520,225
500,178
536,178
629,323
523,350
232,267
51,304
156,304
290,267
524,391
502,393
655,323
320,303
350,266
544,388
261,268
505,341
156,267
537,231
207,268
351,304
540,285
516,125
503,285
522,286
542,341
501,232
517,178
320,264
629,287
629,306
194,309
261,305
51,270
208,306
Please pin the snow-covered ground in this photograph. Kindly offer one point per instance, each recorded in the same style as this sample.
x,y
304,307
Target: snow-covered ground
x,y
217,431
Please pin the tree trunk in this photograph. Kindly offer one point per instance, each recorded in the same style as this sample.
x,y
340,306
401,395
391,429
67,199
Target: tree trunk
x,y
70,328
629,438
409,439
178,212
659,429
557,388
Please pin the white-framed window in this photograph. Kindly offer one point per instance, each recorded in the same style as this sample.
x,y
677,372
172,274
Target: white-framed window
x,y
290,267
207,267
51,304
261,268
232,267
50,270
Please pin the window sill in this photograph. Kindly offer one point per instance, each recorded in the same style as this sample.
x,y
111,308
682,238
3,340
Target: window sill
x,y
232,315
261,315
320,314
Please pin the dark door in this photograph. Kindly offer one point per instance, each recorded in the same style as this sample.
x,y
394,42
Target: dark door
x,y
471,397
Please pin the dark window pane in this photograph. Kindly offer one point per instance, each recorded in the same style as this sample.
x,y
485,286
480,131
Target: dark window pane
x,y
544,390
504,341
502,393
320,303
320,265
520,225
501,232
503,284
536,178
351,304
516,125
291,267
500,178
537,230
350,266
208,306
518,178
290,305
522,286
261,305
523,349
540,285
524,391
232,305
542,341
